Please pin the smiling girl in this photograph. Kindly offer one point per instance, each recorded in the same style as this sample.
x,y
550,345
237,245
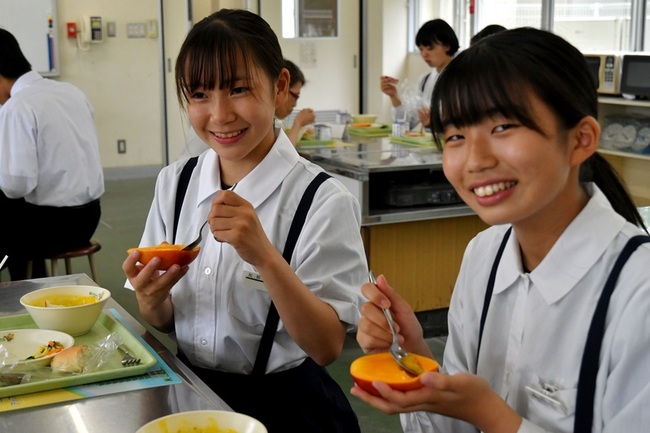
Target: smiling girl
x,y
264,307
535,342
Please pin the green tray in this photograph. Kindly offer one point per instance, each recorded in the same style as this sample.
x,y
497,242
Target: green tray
x,y
315,143
376,130
424,141
112,369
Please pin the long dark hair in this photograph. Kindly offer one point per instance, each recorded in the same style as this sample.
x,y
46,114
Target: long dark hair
x,y
493,76
212,49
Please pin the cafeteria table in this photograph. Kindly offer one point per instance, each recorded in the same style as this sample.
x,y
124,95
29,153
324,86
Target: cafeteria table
x,y
118,412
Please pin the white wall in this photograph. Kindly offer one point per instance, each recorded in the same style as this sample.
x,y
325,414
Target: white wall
x,y
121,77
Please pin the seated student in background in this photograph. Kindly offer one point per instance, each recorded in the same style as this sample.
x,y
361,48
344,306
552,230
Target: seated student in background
x,y
517,115
489,30
438,44
305,116
51,177
249,185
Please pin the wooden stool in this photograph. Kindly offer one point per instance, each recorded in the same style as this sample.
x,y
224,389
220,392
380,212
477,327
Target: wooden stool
x,y
86,250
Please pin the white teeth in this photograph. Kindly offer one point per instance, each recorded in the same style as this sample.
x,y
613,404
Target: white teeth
x,y
228,135
487,190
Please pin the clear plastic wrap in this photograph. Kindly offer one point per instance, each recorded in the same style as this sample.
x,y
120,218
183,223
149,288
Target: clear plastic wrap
x,y
90,359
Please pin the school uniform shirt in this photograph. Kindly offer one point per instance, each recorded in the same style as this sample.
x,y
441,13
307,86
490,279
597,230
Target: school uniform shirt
x,y
220,307
537,326
49,150
412,99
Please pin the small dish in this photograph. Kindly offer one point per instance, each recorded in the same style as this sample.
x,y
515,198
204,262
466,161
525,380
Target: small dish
x,y
17,345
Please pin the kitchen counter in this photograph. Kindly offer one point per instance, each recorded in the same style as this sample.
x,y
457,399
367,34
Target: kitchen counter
x,y
120,412
372,166
418,246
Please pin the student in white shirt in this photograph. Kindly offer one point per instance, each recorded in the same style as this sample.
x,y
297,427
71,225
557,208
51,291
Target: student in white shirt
x,y
305,116
438,44
51,177
231,77
518,117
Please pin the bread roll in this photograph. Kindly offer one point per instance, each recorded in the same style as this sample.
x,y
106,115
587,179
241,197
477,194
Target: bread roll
x,y
71,360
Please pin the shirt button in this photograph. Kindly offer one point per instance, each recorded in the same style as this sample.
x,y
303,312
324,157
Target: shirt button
x,y
204,342
207,271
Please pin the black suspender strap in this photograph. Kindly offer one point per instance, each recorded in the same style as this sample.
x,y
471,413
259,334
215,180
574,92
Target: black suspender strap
x,y
183,181
590,358
589,365
424,82
490,288
272,319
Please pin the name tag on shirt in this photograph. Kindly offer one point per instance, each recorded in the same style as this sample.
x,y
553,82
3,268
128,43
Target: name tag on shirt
x,y
251,278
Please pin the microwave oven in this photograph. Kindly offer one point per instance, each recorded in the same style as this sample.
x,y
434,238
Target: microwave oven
x,y
635,75
605,70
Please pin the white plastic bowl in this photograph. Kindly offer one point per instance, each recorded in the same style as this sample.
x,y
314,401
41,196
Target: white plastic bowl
x,y
364,118
74,320
219,421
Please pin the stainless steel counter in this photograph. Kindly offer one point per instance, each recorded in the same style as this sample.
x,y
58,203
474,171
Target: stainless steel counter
x,y
123,412
365,165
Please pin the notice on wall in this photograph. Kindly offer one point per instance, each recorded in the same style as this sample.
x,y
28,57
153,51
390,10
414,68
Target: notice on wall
x,y
308,54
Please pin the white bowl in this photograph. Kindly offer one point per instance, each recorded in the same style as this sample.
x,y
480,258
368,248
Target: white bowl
x,y
364,118
218,420
74,320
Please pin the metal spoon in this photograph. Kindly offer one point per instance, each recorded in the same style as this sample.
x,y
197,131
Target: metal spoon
x,y
197,241
406,360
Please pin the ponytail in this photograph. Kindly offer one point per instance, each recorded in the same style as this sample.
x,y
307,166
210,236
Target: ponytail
x,y
598,170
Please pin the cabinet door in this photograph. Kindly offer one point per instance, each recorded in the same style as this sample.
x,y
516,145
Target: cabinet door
x,y
421,259
330,64
632,166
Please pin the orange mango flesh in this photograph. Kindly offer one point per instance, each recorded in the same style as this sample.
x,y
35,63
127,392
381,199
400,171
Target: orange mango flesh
x,y
382,367
411,362
169,254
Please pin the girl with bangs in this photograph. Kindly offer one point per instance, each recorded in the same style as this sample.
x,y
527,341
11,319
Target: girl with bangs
x,y
548,319
268,301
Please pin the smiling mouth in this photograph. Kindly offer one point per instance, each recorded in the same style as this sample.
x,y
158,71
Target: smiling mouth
x,y
228,134
488,190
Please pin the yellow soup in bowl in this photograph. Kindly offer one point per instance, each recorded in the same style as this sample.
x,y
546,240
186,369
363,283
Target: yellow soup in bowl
x,y
63,300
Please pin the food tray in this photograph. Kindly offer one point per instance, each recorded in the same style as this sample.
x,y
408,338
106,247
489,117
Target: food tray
x,y
112,369
315,143
375,130
424,141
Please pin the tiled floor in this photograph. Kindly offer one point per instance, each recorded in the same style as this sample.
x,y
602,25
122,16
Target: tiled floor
x,y
124,209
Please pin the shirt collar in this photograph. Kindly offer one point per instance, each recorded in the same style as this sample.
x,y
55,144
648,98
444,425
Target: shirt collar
x,y
574,253
257,185
24,81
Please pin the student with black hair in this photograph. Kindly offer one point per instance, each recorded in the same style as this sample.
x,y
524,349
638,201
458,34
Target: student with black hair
x,y
268,301
51,176
548,322
438,44
305,116
489,30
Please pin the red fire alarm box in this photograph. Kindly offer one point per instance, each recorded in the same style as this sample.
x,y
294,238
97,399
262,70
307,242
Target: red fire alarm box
x,y
72,30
